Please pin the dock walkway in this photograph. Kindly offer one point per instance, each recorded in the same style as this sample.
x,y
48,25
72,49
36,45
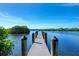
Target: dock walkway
x,y
39,47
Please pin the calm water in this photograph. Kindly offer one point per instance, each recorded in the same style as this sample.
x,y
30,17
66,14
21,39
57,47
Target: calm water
x,y
17,43
68,44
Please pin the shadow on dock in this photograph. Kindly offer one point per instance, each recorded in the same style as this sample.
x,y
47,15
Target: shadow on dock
x,y
38,42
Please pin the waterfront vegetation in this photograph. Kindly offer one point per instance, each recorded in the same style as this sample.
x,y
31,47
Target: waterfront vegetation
x,y
5,45
19,30
60,29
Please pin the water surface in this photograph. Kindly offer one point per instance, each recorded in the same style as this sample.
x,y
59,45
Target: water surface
x,y
17,43
68,44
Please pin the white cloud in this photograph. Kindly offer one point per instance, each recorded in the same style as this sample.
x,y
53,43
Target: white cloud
x,y
7,20
70,4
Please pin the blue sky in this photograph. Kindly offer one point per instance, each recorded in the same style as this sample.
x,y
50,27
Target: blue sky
x,y
40,15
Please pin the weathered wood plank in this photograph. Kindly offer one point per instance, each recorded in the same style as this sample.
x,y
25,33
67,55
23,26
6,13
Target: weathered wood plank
x,y
39,48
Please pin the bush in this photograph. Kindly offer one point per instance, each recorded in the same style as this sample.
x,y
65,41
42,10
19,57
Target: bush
x,y
3,33
19,30
5,45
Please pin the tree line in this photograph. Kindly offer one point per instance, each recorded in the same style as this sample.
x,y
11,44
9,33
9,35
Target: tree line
x,y
60,29
19,30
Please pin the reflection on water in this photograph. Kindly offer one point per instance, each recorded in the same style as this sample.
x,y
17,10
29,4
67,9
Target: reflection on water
x,y
68,43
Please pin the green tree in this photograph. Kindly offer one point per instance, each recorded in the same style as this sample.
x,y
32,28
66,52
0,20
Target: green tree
x,y
3,33
5,45
19,30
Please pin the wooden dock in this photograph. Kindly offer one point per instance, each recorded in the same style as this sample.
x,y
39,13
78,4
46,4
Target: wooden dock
x,y
39,47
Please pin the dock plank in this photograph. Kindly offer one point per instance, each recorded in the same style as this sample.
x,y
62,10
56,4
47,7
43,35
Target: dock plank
x,y
39,48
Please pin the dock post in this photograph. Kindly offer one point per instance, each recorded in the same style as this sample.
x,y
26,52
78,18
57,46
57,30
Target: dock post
x,y
24,45
45,35
54,50
33,37
36,33
42,34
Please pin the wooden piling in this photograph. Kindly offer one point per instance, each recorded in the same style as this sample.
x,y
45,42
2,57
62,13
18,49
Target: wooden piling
x,y
36,33
33,38
45,37
54,51
24,46
43,34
